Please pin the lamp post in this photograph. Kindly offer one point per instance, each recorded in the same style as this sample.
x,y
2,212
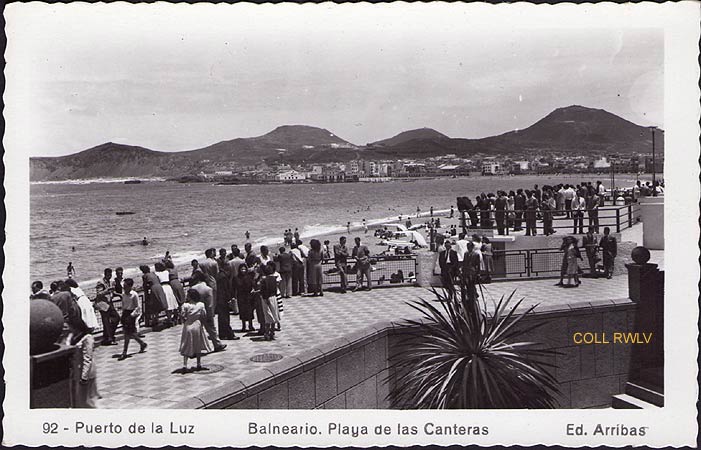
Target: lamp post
x,y
654,187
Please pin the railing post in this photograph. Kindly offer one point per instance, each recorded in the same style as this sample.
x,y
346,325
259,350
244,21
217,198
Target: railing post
x,y
528,263
618,220
630,215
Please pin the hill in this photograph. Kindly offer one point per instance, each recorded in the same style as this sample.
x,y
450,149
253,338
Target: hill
x,y
117,160
410,135
573,129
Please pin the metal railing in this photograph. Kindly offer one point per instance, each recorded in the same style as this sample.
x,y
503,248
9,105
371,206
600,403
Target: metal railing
x,y
532,263
385,270
617,218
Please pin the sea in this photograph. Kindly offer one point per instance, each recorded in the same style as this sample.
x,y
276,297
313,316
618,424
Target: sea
x,y
78,222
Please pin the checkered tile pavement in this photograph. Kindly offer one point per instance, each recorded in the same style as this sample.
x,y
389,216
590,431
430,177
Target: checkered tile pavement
x,y
147,380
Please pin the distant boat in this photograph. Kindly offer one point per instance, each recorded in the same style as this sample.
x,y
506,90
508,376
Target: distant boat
x,y
125,213
132,182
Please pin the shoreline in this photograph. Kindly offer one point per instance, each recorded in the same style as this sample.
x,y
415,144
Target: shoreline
x,y
331,232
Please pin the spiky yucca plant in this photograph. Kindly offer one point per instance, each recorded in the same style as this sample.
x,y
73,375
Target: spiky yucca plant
x,y
458,357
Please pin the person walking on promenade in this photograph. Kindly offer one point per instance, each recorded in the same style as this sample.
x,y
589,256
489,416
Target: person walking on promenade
x,y
546,210
488,258
38,292
560,199
154,295
223,296
87,311
510,214
210,267
601,192
531,211
340,259
590,246
234,264
569,194
578,205
609,250
362,258
268,296
314,273
175,283
195,268
108,314
284,260
206,296
193,340
500,206
592,202
130,311
573,254
471,269
172,302
70,270
251,259
85,387
325,250
117,287
244,298
563,265
448,262
519,208
297,270
471,213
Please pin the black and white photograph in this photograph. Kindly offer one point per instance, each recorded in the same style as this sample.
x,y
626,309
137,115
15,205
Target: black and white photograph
x,y
385,208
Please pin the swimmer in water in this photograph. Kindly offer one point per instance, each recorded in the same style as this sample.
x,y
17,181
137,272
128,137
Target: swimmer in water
x,y
145,241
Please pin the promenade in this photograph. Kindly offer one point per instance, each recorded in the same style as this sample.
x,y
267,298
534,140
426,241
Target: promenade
x,y
147,380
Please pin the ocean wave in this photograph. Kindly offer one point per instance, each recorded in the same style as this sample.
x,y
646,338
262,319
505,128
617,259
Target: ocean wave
x,y
99,180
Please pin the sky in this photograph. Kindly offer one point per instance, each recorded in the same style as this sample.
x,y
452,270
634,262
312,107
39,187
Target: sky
x,y
180,77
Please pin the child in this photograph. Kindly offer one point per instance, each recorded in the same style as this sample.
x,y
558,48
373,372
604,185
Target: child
x,y
193,341
130,311
268,293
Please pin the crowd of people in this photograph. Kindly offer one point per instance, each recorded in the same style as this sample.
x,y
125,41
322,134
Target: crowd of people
x,y
511,211
252,285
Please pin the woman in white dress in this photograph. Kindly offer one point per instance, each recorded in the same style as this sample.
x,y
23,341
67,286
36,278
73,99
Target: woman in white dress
x,y
164,277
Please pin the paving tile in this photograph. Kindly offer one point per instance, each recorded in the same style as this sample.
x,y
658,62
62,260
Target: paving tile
x,y
306,324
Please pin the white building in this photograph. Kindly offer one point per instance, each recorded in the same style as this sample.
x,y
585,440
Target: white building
x,y
290,175
491,167
601,163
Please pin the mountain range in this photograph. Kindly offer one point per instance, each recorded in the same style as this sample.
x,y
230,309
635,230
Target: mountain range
x,y
573,129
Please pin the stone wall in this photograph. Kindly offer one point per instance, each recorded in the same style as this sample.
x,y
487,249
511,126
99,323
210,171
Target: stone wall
x,y
346,374
353,372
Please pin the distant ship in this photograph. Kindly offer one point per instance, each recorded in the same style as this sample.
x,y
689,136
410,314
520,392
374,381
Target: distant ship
x,y
125,213
132,182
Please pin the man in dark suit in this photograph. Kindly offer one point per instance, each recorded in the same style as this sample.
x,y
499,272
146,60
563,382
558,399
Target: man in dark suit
x,y
609,249
500,211
340,259
519,207
448,262
471,269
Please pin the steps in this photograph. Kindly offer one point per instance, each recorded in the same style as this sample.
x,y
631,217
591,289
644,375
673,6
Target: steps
x,y
638,396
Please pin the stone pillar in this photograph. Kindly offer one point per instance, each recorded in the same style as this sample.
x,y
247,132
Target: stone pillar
x,y
426,262
51,377
646,289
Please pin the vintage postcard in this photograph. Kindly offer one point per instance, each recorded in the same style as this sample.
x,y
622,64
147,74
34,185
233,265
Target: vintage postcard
x,y
351,224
